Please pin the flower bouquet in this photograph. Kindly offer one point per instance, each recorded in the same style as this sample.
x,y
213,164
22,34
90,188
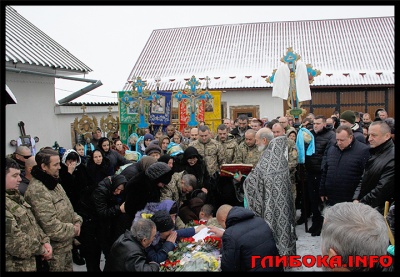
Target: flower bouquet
x,y
194,223
211,243
200,261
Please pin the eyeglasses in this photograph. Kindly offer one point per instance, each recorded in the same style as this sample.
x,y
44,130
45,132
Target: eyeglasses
x,y
25,157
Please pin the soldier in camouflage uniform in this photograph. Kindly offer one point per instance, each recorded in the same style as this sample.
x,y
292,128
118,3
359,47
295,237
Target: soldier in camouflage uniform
x,y
21,154
228,141
53,209
180,185
239,131
248,152
211,150
25,240
279,130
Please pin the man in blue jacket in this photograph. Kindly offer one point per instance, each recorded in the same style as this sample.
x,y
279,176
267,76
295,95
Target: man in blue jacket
x,y
246,237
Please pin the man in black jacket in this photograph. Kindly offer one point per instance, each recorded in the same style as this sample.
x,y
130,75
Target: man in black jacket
x,y
245,237
377,184
128,252
238,132
324,138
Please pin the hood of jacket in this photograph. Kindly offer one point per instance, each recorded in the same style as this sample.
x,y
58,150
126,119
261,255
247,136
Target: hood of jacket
x,y
64,157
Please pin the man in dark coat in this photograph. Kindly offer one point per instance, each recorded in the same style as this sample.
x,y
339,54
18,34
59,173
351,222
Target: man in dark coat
x,y
246,235
324,138
238,132
377,184
128,252
343,167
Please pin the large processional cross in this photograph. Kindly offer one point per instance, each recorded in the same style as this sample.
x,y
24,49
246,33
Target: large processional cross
x,y
193,95
138,101
291,59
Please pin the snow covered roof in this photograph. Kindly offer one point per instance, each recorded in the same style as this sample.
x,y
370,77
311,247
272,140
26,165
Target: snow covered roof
x,y
348,52
27,44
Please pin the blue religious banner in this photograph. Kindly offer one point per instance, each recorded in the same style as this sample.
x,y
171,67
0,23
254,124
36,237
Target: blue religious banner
x,y
160,109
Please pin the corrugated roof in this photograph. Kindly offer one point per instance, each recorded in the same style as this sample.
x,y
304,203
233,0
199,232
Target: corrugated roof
x,y
27,44
348,52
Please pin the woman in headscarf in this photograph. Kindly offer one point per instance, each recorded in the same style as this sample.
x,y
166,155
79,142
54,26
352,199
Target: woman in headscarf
x,y
74,180
98,167
194,164
133,169
143,188
116,160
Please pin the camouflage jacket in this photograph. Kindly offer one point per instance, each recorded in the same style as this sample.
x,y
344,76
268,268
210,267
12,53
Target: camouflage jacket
x,y
213,222
212,152
230,147
247,155
292,159
24,237
173,190
53,210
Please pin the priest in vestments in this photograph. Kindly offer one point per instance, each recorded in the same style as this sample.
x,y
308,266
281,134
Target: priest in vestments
x,y
268,194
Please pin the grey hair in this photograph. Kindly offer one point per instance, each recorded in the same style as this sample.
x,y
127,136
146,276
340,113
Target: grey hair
x,y
142,228
266,133
189,180
354,229
384,127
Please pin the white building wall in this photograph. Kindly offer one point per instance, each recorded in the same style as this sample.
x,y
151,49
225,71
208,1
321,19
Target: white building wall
x,y
42,117
35,107
269,106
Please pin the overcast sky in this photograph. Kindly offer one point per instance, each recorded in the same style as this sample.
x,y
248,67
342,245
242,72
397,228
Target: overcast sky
x,y
109,39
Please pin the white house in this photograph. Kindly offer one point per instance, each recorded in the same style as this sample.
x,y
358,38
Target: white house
x,y
33,62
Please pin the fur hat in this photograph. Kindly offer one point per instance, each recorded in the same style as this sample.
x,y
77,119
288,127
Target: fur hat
x,y
157,170
148,136
152,148
163,221
349,116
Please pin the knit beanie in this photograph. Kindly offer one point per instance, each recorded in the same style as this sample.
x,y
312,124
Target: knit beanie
x,y
148,136
349,116
157,170
163,221
152,148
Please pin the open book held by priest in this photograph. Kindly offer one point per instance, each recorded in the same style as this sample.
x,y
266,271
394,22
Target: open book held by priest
x,y
229,170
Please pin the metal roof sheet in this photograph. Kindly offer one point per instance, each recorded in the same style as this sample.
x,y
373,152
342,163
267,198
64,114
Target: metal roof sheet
x,y
348,52
27,44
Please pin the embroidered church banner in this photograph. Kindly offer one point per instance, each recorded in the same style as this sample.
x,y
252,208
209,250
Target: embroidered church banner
x,y
160,110
184,111
128,114
212,108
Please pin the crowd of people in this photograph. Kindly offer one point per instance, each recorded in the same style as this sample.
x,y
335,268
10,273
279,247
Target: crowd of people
x,y
133,202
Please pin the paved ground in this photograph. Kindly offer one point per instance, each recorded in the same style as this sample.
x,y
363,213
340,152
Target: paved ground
x,y
306,245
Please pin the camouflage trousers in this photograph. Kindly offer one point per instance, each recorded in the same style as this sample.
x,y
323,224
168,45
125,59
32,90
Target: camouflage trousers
x,y
61,261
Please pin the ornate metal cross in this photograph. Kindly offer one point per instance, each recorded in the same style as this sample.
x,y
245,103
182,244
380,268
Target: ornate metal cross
x,y
138,99
290,59
193,96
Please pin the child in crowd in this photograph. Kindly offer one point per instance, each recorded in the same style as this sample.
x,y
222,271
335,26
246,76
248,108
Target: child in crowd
x,y
206,215
80,149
